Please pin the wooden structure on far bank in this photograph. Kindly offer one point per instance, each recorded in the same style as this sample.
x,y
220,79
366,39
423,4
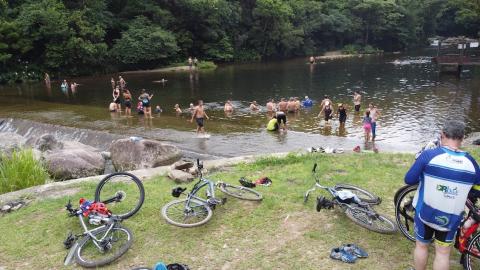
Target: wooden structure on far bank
x,y
455,53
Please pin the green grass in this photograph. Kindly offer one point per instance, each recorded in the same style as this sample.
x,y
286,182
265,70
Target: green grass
x,y
279,233
19,171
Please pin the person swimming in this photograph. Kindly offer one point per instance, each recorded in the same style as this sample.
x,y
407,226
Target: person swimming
x,y
291,106
254,106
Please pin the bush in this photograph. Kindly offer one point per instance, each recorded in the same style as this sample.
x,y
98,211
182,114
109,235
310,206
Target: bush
x,y
206,65
350,49
20,170
370,50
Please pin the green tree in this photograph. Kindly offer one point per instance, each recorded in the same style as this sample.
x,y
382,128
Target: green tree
x,y
144,44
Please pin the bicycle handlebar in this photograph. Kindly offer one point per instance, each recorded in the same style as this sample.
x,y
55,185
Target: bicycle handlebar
x,y
72,212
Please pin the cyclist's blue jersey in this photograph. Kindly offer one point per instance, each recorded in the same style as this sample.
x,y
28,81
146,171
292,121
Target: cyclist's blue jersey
x,y
445,178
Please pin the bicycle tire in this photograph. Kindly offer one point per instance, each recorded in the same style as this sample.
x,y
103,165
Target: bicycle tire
x,y
241,192
364,195
125,211
97,263
362,219
474,243
399,191
405,213
178,203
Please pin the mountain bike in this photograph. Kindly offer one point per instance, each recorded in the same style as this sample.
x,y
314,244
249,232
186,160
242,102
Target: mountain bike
x,y
108,240
466,241
355,202
195,210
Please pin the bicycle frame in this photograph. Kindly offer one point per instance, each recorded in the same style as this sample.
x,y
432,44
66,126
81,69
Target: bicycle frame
x,y
199,185
364,206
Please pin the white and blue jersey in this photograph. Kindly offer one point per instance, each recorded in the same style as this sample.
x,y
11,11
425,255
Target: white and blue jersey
x,y
445,178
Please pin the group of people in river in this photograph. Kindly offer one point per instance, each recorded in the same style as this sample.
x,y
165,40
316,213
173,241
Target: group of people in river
x,y
277,112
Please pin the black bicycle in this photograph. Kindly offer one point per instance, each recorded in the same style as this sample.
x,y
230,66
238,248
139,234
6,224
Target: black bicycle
x,y
194,210
117,197
355,202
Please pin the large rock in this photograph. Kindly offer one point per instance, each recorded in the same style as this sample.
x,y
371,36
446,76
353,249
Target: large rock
x,y
180,176
182,165
133,154
74,160
10,142
48,142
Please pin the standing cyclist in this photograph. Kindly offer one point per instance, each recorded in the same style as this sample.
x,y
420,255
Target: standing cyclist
x,y
445,176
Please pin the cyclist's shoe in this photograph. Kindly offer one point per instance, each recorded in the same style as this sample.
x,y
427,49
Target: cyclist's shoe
x,y
323,202
264,181
177,266
244,182
342,255
357,149
160,266
355,250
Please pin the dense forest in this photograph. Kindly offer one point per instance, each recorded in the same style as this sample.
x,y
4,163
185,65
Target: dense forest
x,y
78,37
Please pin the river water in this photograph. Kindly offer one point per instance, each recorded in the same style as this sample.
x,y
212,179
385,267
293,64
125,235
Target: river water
x,y
413,98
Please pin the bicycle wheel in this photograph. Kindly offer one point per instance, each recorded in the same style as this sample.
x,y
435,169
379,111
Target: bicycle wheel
x,y
117,242
376,223
364,195
405,213
122,192
240,192
472,256
176,213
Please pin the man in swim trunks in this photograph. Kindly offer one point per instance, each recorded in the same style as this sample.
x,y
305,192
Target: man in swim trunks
x,y
298,105
228,108
357,100
271,106
199,115
445,176
291,106
282,105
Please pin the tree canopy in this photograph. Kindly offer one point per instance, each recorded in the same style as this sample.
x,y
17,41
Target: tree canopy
x,y
78,37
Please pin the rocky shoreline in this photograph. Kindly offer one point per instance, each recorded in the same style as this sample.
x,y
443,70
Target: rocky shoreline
x,y
66,160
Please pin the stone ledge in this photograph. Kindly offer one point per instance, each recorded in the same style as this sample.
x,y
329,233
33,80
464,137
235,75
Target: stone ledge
x,y
39,192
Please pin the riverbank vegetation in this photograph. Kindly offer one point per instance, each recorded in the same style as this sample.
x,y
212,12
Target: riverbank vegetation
x,y
20,170
281,232
67,37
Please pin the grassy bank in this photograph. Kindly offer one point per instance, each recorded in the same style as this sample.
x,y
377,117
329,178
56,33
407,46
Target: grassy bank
x,y
20,170
278,233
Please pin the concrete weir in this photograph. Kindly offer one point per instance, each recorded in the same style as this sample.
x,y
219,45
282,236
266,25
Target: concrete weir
x,y
66,187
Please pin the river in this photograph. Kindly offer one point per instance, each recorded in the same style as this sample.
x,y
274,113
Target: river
x,y
413,98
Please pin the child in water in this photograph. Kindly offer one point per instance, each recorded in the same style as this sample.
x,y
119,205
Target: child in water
x,y
367,125
158,109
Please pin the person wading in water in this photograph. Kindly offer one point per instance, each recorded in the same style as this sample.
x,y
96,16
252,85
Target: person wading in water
x,y
199,115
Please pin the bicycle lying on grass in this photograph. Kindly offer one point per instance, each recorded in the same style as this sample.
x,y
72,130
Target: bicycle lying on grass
x,y
194,210
109,240
355,202
467,242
